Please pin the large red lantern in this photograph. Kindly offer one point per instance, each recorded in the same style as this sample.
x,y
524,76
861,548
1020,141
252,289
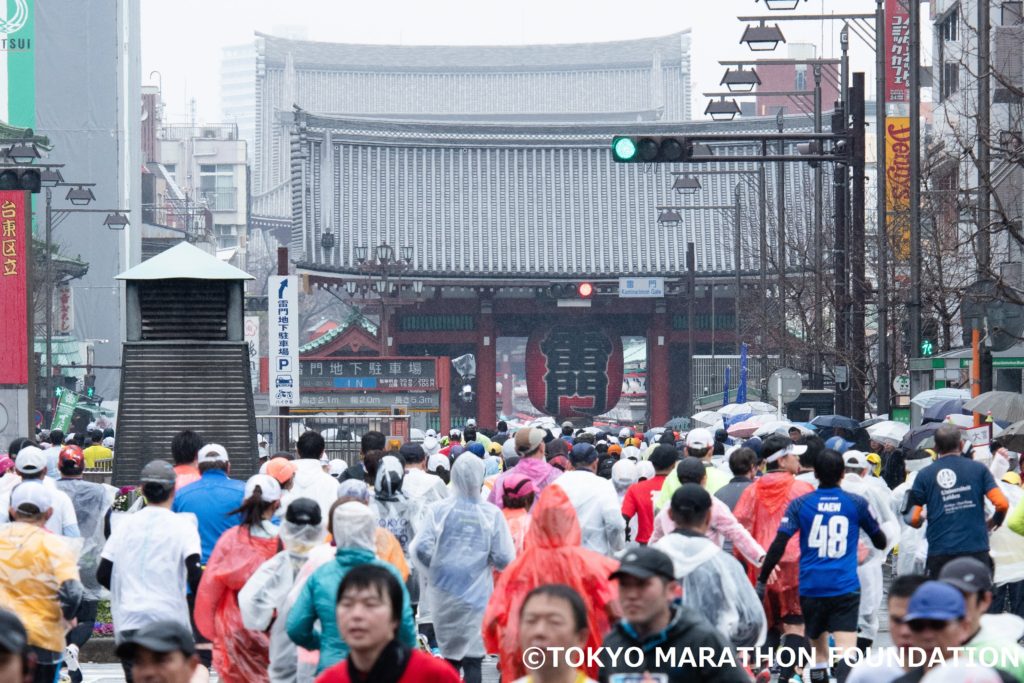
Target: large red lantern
x,y
574,371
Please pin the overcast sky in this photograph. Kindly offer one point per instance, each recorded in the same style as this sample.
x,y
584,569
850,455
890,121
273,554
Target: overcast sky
x,y
182,39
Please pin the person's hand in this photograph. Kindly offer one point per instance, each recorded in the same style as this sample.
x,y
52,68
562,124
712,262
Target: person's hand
x,y
67,625
991,524
760,588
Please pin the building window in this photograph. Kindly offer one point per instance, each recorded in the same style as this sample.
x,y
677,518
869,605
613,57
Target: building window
x,y
801,79
217,186
1013,12
227,236
949,25
950,79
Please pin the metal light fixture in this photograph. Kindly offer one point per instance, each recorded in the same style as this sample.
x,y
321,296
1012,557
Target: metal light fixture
x,y
740,80
384,253
669,215
116,221
381,286
22,153
417,286
80,196
50,177
781,5
686,184
351,287
762,38
722,109
327,241
360,253
406,253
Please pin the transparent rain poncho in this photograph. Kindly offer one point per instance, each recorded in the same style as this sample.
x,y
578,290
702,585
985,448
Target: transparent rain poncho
x,y
394,509
462,540
715,585
91,501
551,554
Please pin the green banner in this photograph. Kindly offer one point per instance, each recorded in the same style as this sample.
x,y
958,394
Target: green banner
x,y
66,405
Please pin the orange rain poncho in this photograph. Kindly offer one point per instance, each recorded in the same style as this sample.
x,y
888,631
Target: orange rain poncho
x,y
239,655
760,509
551,554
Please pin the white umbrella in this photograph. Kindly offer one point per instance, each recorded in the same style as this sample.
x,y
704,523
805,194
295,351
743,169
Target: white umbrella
x,y
762,408
889,431
734,409
780,427
708,418
933,396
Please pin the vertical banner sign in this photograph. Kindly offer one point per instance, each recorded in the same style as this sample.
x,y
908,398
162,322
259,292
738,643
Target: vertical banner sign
x,y
252,340
14,255
741,385
283,318
65,309
897,127
66,405
725,389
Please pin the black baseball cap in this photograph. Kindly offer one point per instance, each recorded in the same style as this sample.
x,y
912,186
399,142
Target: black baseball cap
x,y
412,452
13,637
967,574
691,498
691,469
583,454
159,636
303,511
643,563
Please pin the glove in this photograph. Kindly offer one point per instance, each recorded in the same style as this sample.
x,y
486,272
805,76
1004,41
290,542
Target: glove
x,y
760,588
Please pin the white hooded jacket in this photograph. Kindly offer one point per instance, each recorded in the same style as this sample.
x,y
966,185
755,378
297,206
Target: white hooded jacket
x,y
311,482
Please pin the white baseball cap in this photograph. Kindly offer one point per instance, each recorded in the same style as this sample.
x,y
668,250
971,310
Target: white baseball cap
x,y
856,460
699,439
212,452
31,493
270,489
30,460
336,467
625,433
108,442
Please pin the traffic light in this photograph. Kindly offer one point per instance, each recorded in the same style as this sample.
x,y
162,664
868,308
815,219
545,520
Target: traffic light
x,y
570,290
90,386
628,149
929,337
20,179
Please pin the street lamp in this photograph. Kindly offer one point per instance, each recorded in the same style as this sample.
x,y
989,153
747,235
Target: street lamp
x,y
80,195
781,5
669,214
50,177
740,80
22,153
686,184
762,38
722,109
116,221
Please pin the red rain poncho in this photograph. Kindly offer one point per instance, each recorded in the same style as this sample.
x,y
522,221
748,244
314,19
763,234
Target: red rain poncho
x,y
551,554
239,655
760,509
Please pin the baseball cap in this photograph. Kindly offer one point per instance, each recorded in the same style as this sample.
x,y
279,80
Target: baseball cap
x,y
691,469
625,433
70,460
13,637
430,434
270,490
108,442
567,423
968,574
470,423
281,469
494,448
699,439
32,494
303,511
477,449
30,460
412,452
776,447
336,467
935,600
582,454
838,443
856,460
158,472
158,636
439,460
643,563
518,485
212,452
529,440
691,498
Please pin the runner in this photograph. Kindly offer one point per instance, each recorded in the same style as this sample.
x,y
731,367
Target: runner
x,y
700,444
595,501
311,481
30,465
828,521
150,560
213,499
639,500
16,661
554,616
530,447
888,666
161,652
185,447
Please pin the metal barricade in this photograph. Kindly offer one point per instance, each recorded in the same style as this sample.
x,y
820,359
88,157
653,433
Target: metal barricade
x,y
342,432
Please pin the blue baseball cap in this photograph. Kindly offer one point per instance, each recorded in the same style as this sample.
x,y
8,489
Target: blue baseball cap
x,y
838,444
477,449
935,600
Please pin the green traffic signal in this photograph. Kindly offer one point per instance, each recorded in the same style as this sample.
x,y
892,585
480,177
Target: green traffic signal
x,y
927,347
624,149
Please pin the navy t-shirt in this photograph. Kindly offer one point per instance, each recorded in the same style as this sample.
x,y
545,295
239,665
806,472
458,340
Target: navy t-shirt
x,y
829,521
952,489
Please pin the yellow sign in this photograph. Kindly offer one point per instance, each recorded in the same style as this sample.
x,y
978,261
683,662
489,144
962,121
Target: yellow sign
x,y
897,184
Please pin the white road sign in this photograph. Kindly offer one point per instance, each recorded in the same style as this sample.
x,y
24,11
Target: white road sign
x,y
283,336
641,287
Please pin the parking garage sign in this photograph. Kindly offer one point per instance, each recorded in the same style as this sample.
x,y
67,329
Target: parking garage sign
x,y
283,317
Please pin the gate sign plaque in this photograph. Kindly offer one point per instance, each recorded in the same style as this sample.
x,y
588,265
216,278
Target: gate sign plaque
x,y
574,371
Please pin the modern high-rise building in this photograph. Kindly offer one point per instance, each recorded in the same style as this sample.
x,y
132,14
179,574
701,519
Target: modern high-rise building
x,y
238,88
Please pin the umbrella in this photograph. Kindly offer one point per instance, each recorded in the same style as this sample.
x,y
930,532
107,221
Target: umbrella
x,y
927,398
706,418
1013,437
750,425
888,431
734,409
761,408
1003,405
836,422
651,435
782,427
920,437
938,411
871,421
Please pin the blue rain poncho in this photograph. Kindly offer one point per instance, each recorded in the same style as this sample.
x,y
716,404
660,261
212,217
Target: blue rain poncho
x,y
462,540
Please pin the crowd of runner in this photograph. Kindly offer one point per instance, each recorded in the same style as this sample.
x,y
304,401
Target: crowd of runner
x,y
644,552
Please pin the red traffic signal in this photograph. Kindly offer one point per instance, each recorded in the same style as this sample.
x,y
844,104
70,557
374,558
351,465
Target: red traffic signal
x,y
572,290
584,290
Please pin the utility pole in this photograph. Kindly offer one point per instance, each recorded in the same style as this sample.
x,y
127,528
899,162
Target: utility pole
x,y
984,123
840,183
914,306
738,260
817,375
858,280
763,199
691,287
882,242
47,387
780,193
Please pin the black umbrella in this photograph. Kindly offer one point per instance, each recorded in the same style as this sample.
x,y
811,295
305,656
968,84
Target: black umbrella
x,y
914,438
937,412
836,422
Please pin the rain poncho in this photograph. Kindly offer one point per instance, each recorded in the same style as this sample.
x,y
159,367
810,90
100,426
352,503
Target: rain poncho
x,y
461,540
913,546
263,600
869,572
536,469
552,554
715,585
393,508
239,655
91,502
598,510
1006,548
354,527
760,509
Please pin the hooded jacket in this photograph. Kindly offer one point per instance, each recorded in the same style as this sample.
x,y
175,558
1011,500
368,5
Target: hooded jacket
x,y
311,482
354,527
536,469
393,508
551,554
687,631
715,585
597,508
462,539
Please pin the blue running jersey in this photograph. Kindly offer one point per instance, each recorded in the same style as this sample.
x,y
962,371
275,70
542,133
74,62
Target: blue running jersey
x,y
829,523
